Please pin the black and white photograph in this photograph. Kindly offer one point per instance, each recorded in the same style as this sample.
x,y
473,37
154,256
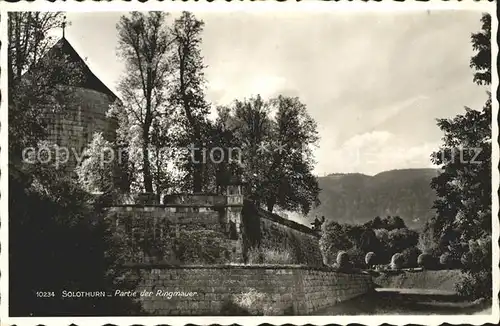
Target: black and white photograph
x,y
207,164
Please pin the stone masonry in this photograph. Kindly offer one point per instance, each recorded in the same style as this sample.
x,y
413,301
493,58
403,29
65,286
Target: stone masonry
x,y
204,290
220,213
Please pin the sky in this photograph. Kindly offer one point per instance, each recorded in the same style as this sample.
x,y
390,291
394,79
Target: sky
x,y
374,82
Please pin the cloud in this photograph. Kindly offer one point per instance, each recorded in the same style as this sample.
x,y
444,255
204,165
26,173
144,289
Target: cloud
x,y
368,140
222,91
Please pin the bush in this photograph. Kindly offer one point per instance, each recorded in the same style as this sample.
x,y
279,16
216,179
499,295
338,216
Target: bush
x,y
333,238
370,259
478,257
356,257
397,261
70,238
401,239
428,241
342,259
475,285
466,259
445,260
410,256
327,260
425,261
477,265
457,249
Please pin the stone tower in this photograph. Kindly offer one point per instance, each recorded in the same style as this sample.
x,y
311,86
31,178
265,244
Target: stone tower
x,y
85,114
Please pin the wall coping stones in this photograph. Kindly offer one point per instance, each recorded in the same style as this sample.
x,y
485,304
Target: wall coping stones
x,y
162,206
165,265
195,199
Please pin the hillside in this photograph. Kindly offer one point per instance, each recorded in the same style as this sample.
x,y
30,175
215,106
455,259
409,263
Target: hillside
x,y
357,198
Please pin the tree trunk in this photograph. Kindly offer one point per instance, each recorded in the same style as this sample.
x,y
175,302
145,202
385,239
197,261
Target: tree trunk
x,y
198,171
146,171
196,132
148,181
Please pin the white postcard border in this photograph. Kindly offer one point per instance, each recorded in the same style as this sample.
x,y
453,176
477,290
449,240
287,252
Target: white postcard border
x,y
302,6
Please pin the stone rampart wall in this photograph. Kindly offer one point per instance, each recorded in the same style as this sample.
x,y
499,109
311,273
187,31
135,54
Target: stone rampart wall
x,y
270,231
270,289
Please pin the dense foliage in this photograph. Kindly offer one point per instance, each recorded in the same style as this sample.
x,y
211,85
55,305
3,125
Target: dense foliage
x,y
274,151
445,260
462,224
59,241
382,237
410,257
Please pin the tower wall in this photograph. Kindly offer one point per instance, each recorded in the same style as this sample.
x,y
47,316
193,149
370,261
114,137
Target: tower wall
x,y
74,126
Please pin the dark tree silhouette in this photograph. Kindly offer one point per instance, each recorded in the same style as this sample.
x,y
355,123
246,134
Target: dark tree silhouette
x,y
463,207
481,61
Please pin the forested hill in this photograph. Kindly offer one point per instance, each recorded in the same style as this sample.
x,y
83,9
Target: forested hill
x,y
357,198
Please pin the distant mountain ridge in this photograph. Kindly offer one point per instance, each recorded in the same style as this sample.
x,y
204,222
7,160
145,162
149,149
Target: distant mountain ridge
x,y
357,198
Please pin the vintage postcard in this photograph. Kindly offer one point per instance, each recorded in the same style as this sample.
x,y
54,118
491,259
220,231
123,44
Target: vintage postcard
x,y
306,162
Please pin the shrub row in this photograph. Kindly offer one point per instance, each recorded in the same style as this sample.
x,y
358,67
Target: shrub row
x,y
401,260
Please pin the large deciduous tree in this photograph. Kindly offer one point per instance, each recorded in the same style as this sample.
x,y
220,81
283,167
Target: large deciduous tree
x,y
144,44
249,122
464,186
463,207
290,182
276,154
187,95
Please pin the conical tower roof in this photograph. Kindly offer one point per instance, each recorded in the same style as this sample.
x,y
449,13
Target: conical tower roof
x,y
89,80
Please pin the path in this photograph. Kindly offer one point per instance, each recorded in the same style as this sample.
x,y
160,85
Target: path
x,y
406,301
